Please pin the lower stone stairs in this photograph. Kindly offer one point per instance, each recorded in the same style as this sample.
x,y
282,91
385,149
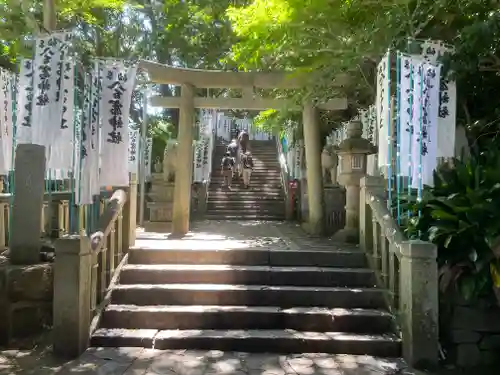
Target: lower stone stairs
x,y
263,200
283,301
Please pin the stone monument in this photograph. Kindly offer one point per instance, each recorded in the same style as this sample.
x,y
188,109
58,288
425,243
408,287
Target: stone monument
x,y
353,152
162,185
170,161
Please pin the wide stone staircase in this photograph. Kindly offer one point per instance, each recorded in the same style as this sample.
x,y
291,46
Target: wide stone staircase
x,y
263,200
312,299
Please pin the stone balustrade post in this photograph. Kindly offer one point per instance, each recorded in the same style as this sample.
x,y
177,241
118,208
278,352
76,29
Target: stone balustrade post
x,y
132,206
418,303
27,206
377,186
72,295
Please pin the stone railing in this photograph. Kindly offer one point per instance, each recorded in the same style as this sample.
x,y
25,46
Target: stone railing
x,y
406,269
59,215
85,267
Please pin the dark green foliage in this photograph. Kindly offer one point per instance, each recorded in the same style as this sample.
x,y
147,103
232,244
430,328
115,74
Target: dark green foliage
x,y
461,215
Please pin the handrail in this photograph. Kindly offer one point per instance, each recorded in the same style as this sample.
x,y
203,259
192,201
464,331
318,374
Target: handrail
x,y
405,269
107,219
85,270
58,195
392,231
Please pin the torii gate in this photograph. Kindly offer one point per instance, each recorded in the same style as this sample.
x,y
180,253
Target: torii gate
x,y
189,79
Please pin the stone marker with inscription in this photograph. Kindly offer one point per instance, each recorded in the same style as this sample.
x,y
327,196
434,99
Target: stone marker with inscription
x,y
27,209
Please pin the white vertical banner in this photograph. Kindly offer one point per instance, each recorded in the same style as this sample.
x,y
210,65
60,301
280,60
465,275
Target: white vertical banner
x,y
447,118
290,153
425,123
223,127
7,82
83,190
198,160
47,98
372,129
88,165
383,107
205,141
298,160
95,124
205,158
432,50
372,136
133,142
117,85
24,102
405,136
62,148
147,155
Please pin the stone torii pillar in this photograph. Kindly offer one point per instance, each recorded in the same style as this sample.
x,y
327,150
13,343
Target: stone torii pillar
x,y
312,145
354,151
184,171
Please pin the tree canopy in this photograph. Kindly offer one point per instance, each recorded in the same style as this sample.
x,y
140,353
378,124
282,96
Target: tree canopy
x,y
344,36
327,37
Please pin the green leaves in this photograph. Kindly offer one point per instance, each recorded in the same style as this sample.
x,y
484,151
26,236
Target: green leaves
x,y
461,215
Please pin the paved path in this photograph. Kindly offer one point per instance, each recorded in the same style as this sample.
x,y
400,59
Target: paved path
x,y
135,361
138,361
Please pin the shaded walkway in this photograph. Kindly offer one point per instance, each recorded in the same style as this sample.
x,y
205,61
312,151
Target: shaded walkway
x,y
139,361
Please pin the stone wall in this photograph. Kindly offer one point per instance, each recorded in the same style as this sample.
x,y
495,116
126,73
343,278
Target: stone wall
x,y
472,334
25,299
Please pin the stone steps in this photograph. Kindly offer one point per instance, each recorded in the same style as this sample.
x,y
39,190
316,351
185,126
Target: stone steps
x,y
232,197
243,217
312,319
254,210
232,210
242,295
263,200
245,203
251,257
255,300
243,193
257,183
258,176
245,275
280,341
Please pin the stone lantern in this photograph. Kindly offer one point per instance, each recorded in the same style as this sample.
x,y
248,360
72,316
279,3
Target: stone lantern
x,y
353,152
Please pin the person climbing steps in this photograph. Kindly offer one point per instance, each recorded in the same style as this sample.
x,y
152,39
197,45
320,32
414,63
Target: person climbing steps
x,y
227,166
247,163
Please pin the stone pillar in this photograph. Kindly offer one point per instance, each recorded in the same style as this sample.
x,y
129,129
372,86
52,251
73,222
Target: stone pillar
x,y
418,303
377,186
312,147
29,181
353,152
129,215
184,172
132,201
72,295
